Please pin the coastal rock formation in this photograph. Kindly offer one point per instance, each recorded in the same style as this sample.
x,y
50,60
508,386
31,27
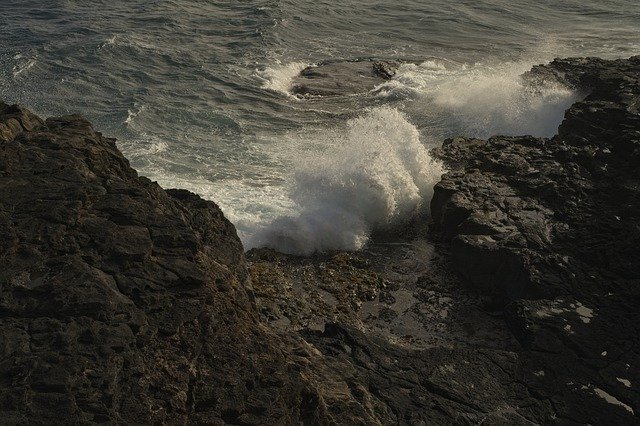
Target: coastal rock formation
x,y
343,78
122,302
549,228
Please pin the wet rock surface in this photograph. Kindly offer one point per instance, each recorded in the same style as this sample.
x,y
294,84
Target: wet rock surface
x,y
400,291
121,302
343,78
549,227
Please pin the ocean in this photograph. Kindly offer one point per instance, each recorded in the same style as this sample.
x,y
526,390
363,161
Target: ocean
x,y
198,95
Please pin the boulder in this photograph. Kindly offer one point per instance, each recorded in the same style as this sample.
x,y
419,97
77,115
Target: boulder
x,y
343,78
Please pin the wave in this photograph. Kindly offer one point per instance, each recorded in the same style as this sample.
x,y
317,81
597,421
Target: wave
x,y
109,41
23,66
142,149
132,113
279,78
482,100
372,175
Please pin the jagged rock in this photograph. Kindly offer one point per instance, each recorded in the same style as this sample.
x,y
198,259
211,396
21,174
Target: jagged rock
x,y
16,120
434,386
549,227
119,301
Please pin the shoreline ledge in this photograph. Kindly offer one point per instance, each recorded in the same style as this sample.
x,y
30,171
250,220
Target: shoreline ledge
x,y
122,302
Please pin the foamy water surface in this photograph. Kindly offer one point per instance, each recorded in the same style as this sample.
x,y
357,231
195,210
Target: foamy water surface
x,y
198,95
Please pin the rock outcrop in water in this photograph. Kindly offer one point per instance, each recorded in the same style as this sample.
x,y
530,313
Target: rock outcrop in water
x,y
122,302
343,78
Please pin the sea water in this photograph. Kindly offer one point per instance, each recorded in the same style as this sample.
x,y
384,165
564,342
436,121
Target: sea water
x,y
198,95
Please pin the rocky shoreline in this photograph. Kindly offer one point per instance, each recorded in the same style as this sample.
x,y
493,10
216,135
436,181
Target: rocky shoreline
x,y
122,302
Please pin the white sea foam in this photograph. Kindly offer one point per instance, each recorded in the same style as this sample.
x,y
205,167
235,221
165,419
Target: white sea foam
x,y
482,100
330,188
110,41
145,148
133,112
370,175
23,66
279,77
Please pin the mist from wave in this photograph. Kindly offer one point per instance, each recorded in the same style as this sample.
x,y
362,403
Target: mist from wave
x,y
197,94
482,100
370,175
375,171
279,77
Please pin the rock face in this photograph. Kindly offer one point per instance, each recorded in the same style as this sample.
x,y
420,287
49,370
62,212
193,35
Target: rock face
x,y
549,228
121,302
343,78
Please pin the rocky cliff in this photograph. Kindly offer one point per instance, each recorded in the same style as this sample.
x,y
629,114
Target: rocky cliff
x,y
122,302
549,227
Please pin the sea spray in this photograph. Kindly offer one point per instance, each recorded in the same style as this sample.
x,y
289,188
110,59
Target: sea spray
x,y
279,77
482,100
329,185
372,175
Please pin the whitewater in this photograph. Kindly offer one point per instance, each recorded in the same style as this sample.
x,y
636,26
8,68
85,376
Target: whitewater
x,y
199,95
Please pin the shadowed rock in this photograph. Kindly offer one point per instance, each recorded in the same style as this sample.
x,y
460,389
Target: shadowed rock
x,y
117,296
549,227
121,302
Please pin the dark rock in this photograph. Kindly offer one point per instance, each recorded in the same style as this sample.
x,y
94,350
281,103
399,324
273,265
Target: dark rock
x,y
119,301
343,78
16,120
433,386
549,226
385,69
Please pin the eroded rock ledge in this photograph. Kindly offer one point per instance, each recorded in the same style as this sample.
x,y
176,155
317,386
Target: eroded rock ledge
x,y
121,302
550,228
